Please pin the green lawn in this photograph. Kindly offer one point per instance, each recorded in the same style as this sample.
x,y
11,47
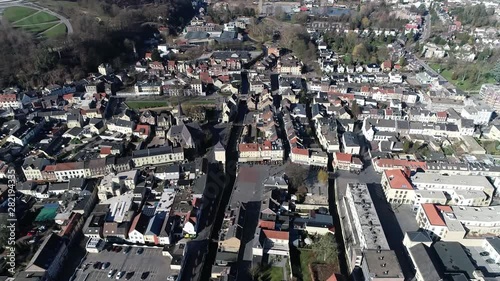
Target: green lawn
x,y
16,13
306,257
146,104
58,30
37,18
274,274
38,27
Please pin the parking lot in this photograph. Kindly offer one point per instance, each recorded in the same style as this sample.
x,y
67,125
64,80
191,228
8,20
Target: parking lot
x,y
151,261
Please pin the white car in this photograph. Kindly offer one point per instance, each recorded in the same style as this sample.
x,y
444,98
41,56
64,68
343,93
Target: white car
x,y
111,273
120,275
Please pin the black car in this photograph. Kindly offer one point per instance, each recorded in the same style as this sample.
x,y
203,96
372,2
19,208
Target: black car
x,y
144,275
140,251
105,265
97,265
127,249
129,275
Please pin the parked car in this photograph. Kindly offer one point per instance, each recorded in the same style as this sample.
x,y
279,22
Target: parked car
x,y
97,265
127,249
129,275
120,275
172,278
111,273
144,275
105,265
118,249
140,251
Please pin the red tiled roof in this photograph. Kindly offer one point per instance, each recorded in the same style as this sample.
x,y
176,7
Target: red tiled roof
x,y
267,224
332,278
274,234
244,147
442,114
343,157
68,166
67,96
142,129
397,179
300,151
105,150
433,213
399,163
8,97
365,89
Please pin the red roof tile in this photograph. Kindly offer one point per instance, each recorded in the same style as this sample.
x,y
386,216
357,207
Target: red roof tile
x,y
343,157
433,213
300,151
245,147
267,224
274,234
397,179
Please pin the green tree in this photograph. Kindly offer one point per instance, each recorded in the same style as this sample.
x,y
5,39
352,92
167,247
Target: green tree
x,y
326,248
360,53
355,109
297,174
322,176
407,145
495,72
155,55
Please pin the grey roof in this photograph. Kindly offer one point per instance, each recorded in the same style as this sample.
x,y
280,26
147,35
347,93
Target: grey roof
x,y
196,35
47,252
74,131
453,258
423,262
122,123
152,151
167,169
494,242
34,162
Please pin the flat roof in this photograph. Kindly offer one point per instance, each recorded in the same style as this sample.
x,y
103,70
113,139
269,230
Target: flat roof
x,y
382,264
455,180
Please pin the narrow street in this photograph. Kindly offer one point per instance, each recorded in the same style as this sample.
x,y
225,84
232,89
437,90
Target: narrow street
x,y
225,192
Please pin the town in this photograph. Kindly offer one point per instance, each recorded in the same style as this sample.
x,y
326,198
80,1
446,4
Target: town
x,y
303,140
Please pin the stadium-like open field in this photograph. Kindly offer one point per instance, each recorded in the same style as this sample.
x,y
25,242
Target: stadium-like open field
x,y
35,21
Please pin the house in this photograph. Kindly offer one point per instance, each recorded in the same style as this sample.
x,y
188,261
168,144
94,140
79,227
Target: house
x,y
179,135
48,259
156,156
33,166
351,143
387,66
347,162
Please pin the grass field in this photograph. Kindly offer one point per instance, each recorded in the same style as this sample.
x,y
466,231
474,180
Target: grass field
x,y
12,14
37,18
39,27
35,21
58,30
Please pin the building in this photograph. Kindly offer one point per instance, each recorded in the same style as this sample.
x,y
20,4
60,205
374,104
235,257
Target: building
x,y
380,265
220,153
33,166
462,190
346,162
425,267
480,114
48,259
351,143
157,156
490,93
397,188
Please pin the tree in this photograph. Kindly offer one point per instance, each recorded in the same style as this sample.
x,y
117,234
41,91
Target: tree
x,y
323,176
296,174
155,55
326,248
495,72
407,145
365,22
300,18
360,53
355,110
